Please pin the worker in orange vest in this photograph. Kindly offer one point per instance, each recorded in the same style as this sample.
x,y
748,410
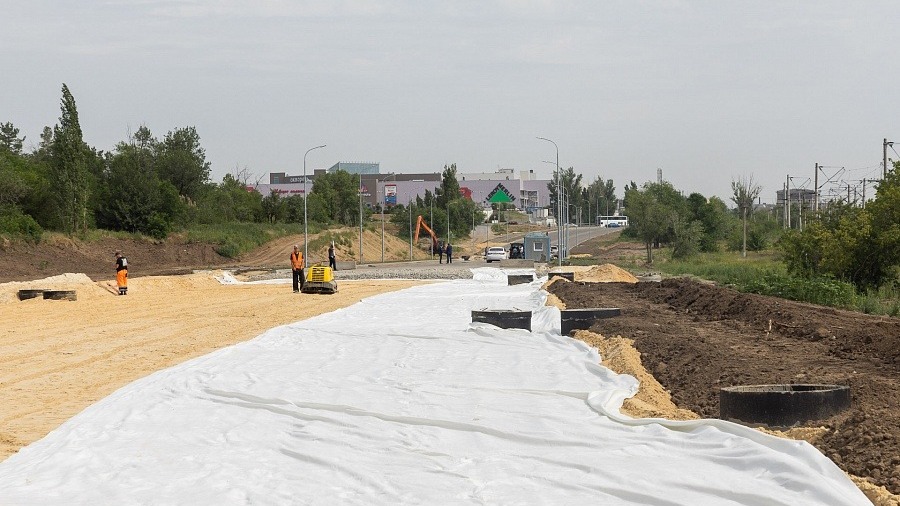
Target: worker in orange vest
x,y
122,273
297,268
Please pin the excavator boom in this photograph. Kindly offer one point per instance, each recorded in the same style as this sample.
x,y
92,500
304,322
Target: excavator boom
x,y
420,224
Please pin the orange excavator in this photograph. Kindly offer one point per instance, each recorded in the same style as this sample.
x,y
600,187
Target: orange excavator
x,y
420,224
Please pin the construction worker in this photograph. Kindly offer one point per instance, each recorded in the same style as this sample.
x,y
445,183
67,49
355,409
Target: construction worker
x,y
122,273
449,252
297,268
332,261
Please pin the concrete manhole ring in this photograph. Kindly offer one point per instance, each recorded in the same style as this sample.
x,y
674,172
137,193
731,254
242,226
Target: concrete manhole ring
x,y
783,405
503,318
31,293
59,295
519,279
582,319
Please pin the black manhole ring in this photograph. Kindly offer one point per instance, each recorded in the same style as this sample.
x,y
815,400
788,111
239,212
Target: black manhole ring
x,y
782,405
59,295
503,318
581,319
31,293
518,279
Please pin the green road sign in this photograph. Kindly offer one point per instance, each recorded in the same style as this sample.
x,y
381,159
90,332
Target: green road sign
x,y
500,195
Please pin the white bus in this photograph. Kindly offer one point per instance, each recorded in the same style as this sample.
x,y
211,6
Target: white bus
x,y
612,221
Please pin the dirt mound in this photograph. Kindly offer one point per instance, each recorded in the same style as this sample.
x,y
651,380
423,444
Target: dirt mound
x,y
696,338
652,400
848,334
276,253
58,254
606,273
80,283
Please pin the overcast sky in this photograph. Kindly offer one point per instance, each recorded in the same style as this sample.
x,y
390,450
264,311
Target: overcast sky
x,y
707,91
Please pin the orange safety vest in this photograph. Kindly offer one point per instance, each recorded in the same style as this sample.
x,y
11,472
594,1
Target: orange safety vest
x,y
296,260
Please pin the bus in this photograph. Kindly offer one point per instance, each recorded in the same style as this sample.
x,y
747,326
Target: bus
x,y
612,221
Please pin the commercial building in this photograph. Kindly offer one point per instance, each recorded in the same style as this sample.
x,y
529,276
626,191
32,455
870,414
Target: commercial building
x,y
526,193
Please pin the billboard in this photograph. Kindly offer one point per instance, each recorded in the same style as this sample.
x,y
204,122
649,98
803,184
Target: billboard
x,y
390,194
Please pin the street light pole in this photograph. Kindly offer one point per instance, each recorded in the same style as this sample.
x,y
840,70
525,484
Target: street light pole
x,y
558,229
382,203
409,206
360,220
431,224
305,221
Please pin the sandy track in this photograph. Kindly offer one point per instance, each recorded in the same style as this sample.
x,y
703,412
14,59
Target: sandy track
x,y
58,357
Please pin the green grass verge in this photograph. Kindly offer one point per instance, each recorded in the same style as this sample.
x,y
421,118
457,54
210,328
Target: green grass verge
x,y
765,274
235,239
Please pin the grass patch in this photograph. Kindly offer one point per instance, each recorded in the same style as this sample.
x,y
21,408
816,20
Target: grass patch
x,y
234,239
340,238
765,274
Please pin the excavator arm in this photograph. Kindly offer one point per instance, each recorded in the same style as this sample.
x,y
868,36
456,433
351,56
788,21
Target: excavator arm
x,y
420,224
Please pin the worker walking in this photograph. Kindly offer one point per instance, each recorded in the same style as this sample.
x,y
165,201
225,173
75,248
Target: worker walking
x,y
122,273
297,268
332,261
449,253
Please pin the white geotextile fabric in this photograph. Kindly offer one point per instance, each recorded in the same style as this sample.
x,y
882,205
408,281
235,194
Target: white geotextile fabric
x,y
400,399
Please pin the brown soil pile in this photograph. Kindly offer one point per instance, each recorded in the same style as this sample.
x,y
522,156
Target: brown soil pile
x,y
695,338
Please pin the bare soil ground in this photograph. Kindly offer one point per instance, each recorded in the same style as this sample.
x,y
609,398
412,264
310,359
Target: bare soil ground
x,y
695,337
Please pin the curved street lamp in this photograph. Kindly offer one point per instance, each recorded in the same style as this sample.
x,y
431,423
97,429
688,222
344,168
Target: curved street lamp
x,y
305,227
558,229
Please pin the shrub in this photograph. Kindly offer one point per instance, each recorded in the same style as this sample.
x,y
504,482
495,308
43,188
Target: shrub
x,y
823,291
13,222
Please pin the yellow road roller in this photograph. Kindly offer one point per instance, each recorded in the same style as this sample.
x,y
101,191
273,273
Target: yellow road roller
x,y
319,279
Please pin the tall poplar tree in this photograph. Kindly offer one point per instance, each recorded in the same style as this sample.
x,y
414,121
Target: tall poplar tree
x,y
69,167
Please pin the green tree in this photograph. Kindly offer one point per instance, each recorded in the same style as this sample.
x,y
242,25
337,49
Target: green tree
x,y
9,138
449,189
69,163
133,198
744,195
181,160
231,201
570,185
715,218
274,207
601,197
861,246
338,193
654,214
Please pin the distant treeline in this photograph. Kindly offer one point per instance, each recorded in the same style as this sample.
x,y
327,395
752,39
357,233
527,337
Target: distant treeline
x,y
155,186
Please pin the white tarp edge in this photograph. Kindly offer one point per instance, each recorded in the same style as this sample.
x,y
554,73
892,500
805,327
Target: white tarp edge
x,y
400,399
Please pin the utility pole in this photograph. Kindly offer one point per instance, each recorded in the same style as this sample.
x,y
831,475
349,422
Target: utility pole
x,y
409,206
787,196
816,186
884,147
360,219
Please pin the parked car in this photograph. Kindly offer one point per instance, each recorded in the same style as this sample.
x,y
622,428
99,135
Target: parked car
x,y
495,254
